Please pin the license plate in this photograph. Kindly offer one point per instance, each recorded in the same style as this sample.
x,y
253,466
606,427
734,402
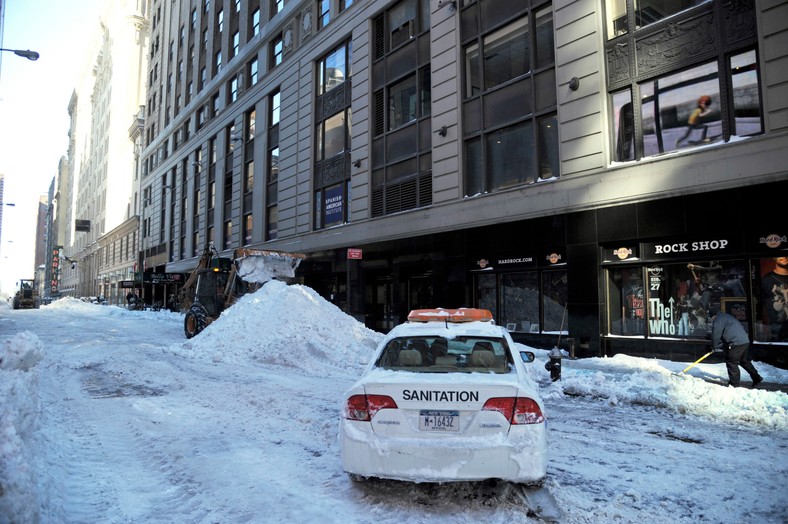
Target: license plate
x,y
439,420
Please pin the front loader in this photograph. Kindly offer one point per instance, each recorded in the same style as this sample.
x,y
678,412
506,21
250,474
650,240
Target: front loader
x,y
218,282
27,295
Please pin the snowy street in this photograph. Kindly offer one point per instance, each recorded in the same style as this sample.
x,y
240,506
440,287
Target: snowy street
x,y
113,416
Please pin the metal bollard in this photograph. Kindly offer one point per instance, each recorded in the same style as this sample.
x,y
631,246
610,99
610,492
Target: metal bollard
x,y
554,366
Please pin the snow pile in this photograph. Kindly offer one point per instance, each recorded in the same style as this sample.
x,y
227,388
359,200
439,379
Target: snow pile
x,y
83,309
285,325
21,352
73,304
652,382
19,393
263,268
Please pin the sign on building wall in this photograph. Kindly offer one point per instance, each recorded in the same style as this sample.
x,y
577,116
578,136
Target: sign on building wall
x,y
333,206
55,271
82,225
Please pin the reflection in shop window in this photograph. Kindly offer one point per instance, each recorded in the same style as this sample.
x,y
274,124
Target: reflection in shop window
x,y
746,97
771,282
681,110
685,109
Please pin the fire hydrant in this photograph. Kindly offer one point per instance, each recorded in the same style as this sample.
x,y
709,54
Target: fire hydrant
x,y
554,366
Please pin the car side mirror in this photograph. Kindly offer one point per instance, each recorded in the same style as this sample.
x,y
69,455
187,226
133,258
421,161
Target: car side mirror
x,y
527,356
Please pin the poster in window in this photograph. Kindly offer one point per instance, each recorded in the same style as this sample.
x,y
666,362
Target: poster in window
x,y
774,299
333,206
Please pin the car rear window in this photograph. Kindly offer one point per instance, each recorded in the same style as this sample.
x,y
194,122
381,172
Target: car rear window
x,y
441,355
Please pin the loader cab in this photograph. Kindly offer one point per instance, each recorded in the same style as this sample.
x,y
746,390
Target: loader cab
x,y
210,289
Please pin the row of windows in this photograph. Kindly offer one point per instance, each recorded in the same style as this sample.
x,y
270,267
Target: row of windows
x,y
332,137
205,210
401,157
509,108
509,103
401,109
121,250
238,82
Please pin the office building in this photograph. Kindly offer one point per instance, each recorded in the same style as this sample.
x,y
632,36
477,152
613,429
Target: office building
x,y
597,174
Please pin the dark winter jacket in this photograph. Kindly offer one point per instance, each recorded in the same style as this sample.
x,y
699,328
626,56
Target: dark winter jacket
x,y
727,331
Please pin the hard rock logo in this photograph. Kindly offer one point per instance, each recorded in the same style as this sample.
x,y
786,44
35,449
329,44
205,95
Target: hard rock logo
x,y
773,241
622,253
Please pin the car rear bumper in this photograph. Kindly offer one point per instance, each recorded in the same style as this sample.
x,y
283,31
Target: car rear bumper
x,y
519,456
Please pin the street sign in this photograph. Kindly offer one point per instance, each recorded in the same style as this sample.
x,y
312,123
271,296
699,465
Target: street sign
x,y
354,254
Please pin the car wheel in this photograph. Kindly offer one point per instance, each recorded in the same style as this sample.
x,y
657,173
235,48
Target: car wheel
x,y
195,321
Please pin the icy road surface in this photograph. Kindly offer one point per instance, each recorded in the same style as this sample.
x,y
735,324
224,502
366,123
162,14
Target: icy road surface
x,y
135,424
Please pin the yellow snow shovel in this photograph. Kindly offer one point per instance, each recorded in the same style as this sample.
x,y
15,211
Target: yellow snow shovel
x,y
694,363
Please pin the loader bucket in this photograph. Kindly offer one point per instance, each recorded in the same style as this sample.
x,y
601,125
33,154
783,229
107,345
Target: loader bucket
x,y
257,266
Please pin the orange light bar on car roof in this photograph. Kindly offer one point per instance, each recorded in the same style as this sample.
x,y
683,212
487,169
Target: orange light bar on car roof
x,y
450,315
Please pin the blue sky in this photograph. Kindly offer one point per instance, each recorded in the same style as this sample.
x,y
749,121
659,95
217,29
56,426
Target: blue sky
x,y
34,117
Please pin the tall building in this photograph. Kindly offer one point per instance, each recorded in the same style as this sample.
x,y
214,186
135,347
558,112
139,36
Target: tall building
x,y
96,193
2,206
589,171
42,231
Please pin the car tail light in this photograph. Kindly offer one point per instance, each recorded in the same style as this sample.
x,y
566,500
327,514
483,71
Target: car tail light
x,y
364,407
517,410
527,411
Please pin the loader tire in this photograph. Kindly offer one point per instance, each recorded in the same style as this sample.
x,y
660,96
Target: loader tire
x,y
195,321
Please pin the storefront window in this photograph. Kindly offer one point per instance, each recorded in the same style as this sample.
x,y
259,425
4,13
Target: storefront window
x,y
554,294
520,301
771,307
525,301
675,299
486,288
627,301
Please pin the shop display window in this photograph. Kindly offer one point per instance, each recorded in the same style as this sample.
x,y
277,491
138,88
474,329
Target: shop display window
x,y
527,301
520,301
673,300
770,289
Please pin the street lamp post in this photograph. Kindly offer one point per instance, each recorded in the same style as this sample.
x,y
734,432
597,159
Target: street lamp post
x,y
24,53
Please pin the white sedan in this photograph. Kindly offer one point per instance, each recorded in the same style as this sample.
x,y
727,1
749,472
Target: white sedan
x,y
445,398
